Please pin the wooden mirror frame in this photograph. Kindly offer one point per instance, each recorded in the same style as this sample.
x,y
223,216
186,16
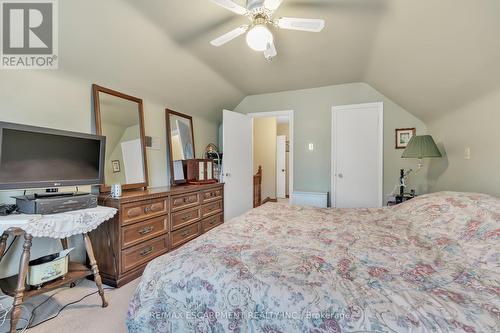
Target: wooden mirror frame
x,y
169,112
96,89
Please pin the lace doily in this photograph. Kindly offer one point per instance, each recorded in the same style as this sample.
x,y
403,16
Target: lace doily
x,y
67,224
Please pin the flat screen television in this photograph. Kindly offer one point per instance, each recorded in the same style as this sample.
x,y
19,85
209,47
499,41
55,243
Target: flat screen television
x,y
36,157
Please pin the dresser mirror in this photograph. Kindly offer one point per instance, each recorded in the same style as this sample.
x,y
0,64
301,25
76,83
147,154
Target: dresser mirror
x,y
120,118
180,139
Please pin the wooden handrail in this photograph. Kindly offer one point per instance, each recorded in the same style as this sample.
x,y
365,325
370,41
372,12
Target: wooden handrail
x,y
257,188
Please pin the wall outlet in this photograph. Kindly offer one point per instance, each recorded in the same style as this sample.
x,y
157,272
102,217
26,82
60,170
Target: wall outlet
x,y
467,153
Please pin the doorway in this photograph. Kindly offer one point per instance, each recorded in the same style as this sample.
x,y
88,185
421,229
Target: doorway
x,y
238,170
273,152
357,155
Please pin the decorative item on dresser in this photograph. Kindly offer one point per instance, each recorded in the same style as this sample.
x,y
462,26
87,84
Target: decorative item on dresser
x,y
199,171
153,222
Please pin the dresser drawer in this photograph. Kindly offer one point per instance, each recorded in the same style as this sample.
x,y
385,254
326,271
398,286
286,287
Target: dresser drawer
x,y
145,230
211,208
185,217
143,253
212,222
137,211
185,234
183,201
211,195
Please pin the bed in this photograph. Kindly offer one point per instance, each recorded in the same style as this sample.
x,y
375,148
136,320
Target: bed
x,y
431,264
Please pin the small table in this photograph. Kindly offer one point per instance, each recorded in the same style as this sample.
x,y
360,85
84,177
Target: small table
x,y
57,226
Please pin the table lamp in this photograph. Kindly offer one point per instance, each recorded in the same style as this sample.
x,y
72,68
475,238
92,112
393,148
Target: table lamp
x,y
421,146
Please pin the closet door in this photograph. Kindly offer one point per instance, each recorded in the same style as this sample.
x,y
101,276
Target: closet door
x,y
237,163
357,155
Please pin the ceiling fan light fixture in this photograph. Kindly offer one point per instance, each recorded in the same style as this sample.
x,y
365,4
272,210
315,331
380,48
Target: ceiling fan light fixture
x,y
259,37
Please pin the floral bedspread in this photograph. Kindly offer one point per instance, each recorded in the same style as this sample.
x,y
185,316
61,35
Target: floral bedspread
x,y
431,264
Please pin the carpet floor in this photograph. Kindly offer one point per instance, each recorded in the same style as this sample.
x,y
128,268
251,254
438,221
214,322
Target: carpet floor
x,y
82,317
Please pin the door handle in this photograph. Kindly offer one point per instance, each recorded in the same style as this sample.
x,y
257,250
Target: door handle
x,y
282,170
228,174
340,175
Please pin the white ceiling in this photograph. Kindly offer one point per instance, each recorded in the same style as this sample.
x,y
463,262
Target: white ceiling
x,y
427,55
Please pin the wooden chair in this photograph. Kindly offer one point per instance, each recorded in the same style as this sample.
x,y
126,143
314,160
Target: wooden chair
x,y
257,188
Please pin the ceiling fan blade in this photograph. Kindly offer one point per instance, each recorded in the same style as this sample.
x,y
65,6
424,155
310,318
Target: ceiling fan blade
x,y
273,5
226,38
302,24
230,5
271,51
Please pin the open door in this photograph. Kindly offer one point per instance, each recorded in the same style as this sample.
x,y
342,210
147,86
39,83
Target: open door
x,y
238,173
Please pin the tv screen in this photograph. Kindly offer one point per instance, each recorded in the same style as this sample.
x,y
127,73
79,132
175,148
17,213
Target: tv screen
x,y
32,157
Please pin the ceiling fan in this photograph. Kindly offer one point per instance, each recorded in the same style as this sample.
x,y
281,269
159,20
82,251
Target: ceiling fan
x,y
260,13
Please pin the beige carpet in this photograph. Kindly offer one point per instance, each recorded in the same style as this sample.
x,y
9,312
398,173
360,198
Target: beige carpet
x,y
85,316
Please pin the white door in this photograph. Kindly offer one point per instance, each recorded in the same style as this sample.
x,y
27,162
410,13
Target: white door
x,y
238,163
133,167
357,155
281,166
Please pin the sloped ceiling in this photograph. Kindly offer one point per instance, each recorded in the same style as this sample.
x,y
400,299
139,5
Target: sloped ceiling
x,y
427,55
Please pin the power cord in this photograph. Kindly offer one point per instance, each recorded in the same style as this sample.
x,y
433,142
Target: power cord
x,y
10,245
29,325
61,309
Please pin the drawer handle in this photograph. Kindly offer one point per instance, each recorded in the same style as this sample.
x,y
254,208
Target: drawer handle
x,y
185,233
147,251
213,222
147,210
146,230
187,217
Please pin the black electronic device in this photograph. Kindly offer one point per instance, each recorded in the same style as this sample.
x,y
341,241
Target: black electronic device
x,y
34,204
36,157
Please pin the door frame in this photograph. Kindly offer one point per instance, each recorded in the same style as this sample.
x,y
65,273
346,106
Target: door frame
x,y
290,115
379,106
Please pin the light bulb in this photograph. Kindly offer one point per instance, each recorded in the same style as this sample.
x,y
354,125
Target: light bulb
x,y
259,37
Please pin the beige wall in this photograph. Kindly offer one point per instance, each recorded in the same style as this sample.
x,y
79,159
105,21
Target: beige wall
x,y
312,124
264,153
475,125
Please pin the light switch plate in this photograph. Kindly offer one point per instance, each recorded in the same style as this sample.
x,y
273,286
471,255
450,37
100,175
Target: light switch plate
x,y
153,142
467,153
311,146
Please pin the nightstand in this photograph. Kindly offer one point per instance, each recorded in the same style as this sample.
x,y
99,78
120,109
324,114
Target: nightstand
x,y
396,200
57,226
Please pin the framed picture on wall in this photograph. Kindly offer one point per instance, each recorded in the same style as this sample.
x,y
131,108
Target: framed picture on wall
x,y
116,166
403,136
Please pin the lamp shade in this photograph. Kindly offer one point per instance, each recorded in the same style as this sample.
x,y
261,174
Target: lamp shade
x,y
421,146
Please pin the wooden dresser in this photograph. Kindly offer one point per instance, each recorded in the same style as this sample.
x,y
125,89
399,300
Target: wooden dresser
x,y
150,223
